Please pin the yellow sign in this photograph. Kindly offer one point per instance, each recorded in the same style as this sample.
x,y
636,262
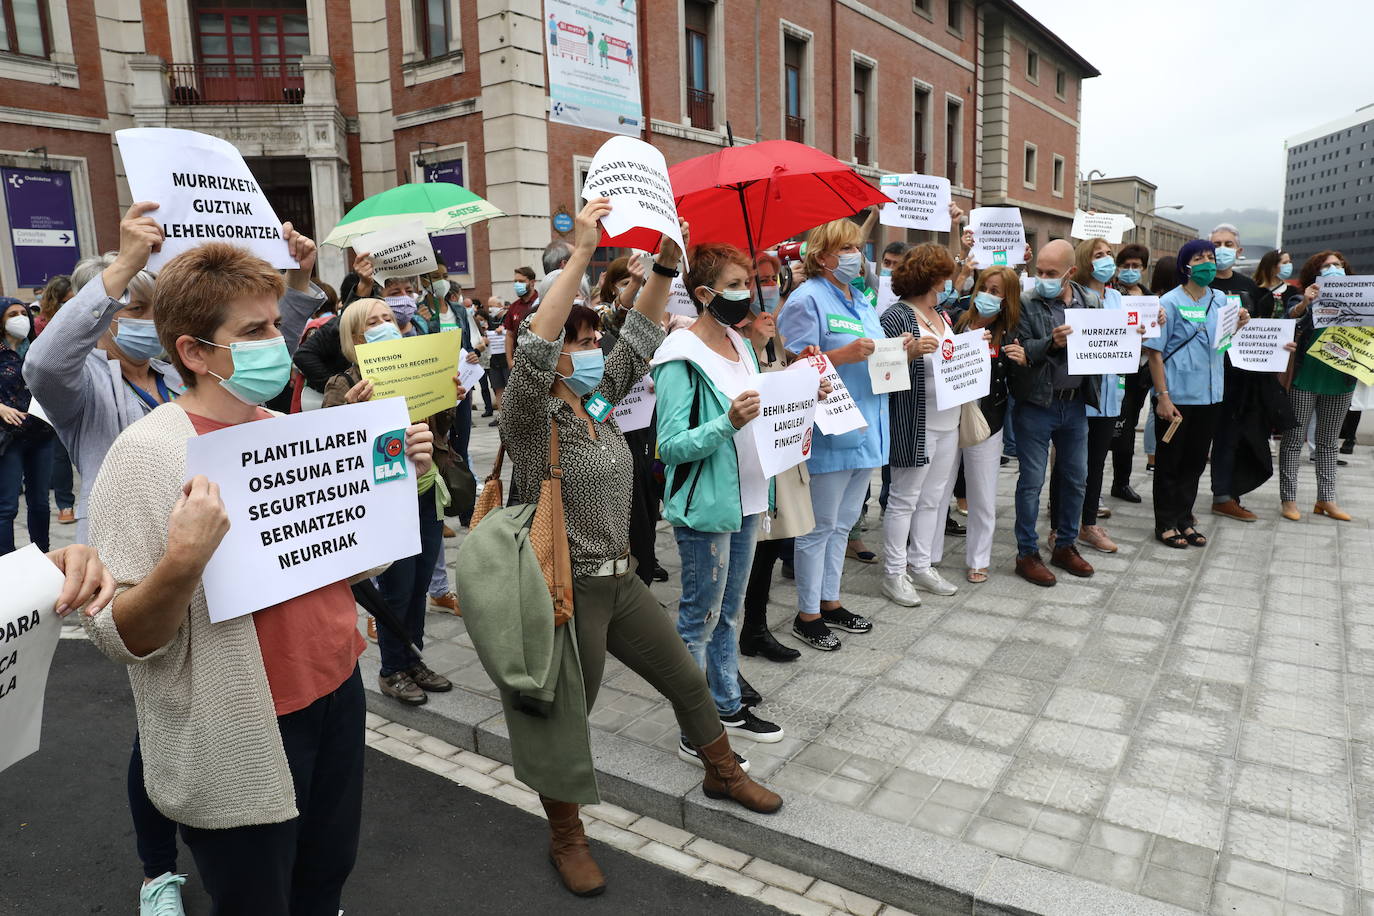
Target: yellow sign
x,y
419,369
1348,350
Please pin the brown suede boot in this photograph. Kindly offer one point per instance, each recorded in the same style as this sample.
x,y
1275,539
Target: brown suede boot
x,y
725,779
569,851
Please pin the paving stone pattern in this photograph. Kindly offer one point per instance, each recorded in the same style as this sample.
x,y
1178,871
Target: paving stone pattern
x,y
1193,726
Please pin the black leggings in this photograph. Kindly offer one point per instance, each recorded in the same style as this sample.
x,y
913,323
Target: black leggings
x,y
1179,464
155,834
1123,440
761,582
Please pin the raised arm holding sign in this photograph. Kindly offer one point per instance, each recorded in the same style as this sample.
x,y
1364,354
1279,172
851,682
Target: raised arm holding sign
x,y
634,176
999,238
1109,226
918,202
403,250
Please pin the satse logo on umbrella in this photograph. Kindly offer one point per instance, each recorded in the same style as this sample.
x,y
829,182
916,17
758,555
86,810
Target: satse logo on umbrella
x,y
388,456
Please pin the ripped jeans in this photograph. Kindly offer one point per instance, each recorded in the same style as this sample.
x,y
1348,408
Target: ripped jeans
x,y
715,574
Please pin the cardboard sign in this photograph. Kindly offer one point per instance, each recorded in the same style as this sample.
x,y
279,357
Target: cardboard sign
x,y
1346,302
1348,350
400,251
1102,342
918,202
313,498
634,175
1228,319
787,409
1259,346
963,369
1143,310
999,238
837,413
419,369
29,630
204,191
887,366
636,409
1109,226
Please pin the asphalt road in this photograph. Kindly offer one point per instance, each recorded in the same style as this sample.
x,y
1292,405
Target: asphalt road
x,y
429,845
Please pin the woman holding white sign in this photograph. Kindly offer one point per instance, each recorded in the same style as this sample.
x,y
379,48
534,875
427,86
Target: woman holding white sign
x,y
563,384
251,728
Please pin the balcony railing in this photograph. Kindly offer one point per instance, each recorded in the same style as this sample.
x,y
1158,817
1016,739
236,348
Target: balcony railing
x,y
919,161
701,109
237,84
796,129
861,149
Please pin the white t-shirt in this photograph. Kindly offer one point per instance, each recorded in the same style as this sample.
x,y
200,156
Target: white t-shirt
x,y
730,376
936,420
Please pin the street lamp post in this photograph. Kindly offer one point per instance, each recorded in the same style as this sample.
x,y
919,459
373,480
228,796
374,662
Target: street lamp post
x,y
1151,212
1100,174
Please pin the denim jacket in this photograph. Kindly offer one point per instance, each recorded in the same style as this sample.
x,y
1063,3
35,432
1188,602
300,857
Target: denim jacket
x,y
1033,383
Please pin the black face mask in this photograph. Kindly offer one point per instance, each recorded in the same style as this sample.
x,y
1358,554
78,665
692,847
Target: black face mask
x,y
729,312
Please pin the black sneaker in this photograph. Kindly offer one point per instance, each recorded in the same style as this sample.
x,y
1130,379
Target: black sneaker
x,y
686,752
660,574
845,619
953,528
1348,447
744,724
815,634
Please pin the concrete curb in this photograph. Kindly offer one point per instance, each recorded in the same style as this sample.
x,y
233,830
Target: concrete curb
x,y
902,866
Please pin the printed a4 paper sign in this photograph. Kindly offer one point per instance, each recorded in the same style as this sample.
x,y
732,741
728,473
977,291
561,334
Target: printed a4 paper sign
x,y
837,413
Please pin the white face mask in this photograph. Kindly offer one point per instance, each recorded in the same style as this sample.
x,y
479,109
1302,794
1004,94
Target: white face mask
x,y
17,326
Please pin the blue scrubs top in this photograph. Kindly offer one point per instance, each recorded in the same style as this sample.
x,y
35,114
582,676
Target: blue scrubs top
x,y
1109,387
817,313
1196,372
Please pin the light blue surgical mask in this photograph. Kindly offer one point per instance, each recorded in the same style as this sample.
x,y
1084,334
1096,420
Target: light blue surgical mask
x,y
1129,275
521,288
380,332
987,304
885,272
1049,287
261,369
848,268
1333,270
1285,270
1226,257
947,294
137,338
588,366
1104,268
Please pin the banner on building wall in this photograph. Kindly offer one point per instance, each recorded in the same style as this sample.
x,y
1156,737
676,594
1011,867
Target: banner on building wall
x,y
593,54
452,247
42,224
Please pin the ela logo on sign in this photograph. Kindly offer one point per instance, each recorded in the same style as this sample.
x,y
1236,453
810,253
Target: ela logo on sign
x,y
388,461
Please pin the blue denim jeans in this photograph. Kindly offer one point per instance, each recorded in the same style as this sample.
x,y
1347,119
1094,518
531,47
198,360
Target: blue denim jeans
x,y
62,482
715,574
836,498
404,586
1065,424
27,463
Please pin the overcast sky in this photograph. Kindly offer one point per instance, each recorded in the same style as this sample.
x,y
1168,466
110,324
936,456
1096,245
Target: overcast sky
x,y
1199,97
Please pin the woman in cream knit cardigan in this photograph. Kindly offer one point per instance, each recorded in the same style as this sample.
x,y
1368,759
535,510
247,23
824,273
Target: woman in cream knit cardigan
x,y
251,729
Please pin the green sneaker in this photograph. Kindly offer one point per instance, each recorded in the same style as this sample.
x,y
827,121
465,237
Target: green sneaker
x,y
162,896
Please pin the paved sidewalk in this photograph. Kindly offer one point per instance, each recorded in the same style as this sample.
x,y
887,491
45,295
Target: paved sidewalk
x,y
1187,727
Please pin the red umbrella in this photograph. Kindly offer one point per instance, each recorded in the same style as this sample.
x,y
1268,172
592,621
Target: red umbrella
x,y
758,195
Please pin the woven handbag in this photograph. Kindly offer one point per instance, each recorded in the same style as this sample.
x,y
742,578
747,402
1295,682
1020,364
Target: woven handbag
x,y
548,530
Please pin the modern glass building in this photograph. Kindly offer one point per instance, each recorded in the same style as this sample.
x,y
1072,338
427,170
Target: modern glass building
x,y
1328,199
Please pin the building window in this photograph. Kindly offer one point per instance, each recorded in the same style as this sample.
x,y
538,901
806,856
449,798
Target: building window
x,y
701,101
1061,83
793,70
1058,177
921,6
1029,179
863,77
920,127
432,27
24,28
956,15
953,132
245,55
1032,65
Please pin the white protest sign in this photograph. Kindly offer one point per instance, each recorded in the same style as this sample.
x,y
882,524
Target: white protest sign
x,y
679,302
963,369
787,408
634,175
886,297
204,191
29,630
1143,310
1102,342
636,409
999,238
469,373
837,413
1228,319
312,498
1259,346
1346,302
1109,226
919,202
887,366
401,250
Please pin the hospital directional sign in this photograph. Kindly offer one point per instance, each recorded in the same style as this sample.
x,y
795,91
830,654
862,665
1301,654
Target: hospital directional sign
x,y
42,224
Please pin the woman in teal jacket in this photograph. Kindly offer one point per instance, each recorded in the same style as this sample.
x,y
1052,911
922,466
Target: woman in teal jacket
x,y
715,489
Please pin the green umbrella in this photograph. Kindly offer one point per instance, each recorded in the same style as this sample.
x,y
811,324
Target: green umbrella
x,y
440,205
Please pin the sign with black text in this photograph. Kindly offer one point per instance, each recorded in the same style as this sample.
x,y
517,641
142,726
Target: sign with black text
x,y
1346,302
1103,342
918,202
837,413
1260,345
403,250
787,408
999,238
963,369
29,630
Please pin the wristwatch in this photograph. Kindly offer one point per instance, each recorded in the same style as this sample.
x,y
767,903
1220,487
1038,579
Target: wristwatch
x,y
663,271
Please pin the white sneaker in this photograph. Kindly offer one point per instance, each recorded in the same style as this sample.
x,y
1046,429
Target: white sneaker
x,y
898,590
931,581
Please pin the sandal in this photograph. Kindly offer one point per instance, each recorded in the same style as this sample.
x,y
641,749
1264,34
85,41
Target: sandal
x,y
1175,540
976,576
1195,537
863,556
